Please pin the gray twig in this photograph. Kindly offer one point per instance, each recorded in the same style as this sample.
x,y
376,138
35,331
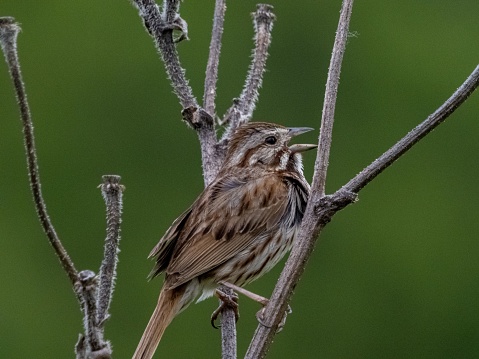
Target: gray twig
x,y
228,329
91,345
8,38
321,208
320,211
435,119
214,58
96,299
296,263
228,320
242,109
161,26
112,191
209,154
330,96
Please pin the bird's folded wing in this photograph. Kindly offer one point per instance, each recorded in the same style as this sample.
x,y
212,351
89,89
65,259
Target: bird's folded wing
x,y
225,220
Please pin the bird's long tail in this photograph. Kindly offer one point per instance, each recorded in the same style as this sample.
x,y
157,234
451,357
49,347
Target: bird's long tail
x,y
169,304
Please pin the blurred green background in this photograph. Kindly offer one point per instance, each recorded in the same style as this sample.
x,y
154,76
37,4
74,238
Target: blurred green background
x,y
394,276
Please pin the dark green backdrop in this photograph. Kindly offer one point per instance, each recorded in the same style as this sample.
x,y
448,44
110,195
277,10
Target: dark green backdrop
x,y
394,276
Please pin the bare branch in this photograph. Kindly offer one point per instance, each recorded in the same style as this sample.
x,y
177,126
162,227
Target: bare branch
x,y
96,300
8,38
81,348
240,112
213,163
321,209
330,96
207,136
304,244
161,29
214,58
112,191
435,119
228,329
92,344
161,26
242,109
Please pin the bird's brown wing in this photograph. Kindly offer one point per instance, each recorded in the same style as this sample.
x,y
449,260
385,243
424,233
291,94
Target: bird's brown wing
x,y
225,220
164,249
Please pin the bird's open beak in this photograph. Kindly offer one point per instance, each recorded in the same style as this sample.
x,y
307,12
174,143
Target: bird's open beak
x,y
295,131
301,148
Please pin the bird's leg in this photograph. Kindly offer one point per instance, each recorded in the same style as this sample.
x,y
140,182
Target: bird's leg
x,y
257,298
261,300
227,300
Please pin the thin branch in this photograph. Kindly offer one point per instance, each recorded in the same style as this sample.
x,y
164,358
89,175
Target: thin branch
x,y
91,345
435,119
160,27
8,39
228,319
242,109
240,112
228,329
207,135
330,96
274,311
97,298
320,211
112,192
214,58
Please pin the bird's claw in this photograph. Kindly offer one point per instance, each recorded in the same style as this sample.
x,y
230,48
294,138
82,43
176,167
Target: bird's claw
x,y
260,318
227,301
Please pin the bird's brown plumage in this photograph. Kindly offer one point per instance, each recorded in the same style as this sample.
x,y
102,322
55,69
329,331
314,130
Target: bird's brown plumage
x,y
237,229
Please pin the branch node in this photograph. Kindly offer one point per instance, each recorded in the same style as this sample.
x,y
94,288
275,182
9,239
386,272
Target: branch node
x,y
197,118
178,24
103,353
329,205
181,26
264,14
81,347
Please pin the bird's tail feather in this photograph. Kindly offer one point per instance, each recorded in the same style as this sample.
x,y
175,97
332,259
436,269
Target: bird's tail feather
x,y
169,304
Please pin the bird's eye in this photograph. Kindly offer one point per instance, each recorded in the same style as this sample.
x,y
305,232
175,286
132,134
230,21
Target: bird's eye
x,y
270,140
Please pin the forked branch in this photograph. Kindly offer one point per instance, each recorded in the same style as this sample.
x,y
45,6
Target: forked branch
x,y
320,210
160,25
94,303
97,291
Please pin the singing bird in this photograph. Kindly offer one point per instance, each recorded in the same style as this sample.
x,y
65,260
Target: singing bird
x,y
242,224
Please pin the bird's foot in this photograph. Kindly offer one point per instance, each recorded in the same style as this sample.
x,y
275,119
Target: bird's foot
x,y
227,301
261,300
